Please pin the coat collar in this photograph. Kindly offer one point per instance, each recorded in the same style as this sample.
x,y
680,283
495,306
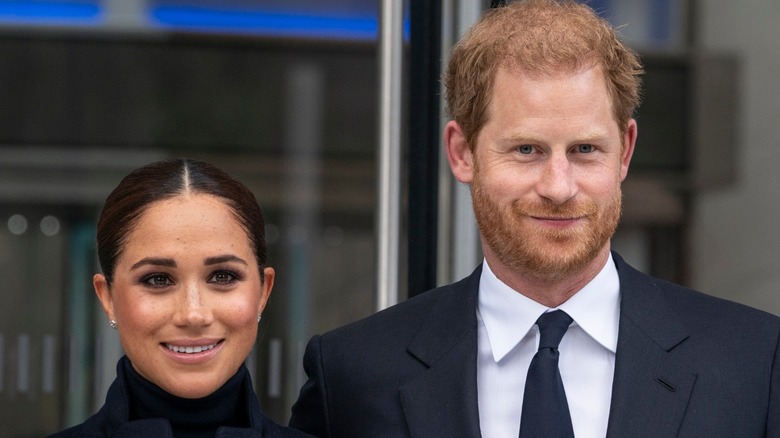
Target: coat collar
x,y
161,428
651,387
442,401
112,419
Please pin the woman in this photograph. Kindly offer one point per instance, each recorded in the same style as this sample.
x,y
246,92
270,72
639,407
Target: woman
x,y
182,248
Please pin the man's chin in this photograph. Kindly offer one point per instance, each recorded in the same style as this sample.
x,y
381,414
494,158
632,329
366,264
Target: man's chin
x,y
554,263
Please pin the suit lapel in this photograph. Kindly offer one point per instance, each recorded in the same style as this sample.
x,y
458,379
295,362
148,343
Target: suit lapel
x,y
651,388
442,401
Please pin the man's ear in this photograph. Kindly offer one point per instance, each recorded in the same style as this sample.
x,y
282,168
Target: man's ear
x,y
458,153
629,141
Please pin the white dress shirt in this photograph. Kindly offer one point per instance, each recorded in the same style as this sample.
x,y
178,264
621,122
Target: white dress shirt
x,y
509,337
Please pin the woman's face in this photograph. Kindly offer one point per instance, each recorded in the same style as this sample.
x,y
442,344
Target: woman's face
x,y
186,295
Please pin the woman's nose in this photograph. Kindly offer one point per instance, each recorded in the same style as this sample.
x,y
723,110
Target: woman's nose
x,y
194,310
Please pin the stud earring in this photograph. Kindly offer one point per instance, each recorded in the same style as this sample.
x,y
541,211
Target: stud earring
x,y
112,323
259,317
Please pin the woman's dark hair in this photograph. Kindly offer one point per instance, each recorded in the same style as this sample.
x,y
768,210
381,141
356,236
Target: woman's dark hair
x,y
164,180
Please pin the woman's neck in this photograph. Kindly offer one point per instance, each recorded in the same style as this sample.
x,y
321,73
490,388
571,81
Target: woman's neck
x,y
188,417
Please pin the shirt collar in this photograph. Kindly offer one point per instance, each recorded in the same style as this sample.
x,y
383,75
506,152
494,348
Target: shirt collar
x,y
509,316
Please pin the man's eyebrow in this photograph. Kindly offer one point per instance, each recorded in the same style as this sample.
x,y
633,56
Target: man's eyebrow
x,y
222,259
154,261
593,136
528,136
521,135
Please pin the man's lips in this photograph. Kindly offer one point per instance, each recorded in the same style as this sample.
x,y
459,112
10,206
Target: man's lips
x,y
557,219
543,218
558,222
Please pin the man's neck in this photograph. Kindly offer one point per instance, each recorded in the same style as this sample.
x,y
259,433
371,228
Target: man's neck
x,y
548,293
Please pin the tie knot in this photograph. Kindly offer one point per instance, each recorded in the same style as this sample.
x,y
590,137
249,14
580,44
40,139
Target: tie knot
x,y
552,327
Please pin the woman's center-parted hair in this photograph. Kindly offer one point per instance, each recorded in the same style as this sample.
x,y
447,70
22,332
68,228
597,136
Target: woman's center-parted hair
x,y
539,38
167,179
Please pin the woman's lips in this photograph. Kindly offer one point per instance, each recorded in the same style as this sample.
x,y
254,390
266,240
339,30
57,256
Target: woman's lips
x,y
193,352
190,349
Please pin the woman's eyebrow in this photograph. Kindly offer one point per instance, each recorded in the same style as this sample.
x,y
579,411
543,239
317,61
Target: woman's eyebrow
x,y
222,259
154,261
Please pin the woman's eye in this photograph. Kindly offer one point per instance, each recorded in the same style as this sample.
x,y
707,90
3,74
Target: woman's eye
x,y
223,277
585,148
525,149
158,280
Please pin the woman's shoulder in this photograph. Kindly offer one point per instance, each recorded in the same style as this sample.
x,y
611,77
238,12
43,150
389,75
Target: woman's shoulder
x,y
273,429
71,432
67,433
294,433
93,427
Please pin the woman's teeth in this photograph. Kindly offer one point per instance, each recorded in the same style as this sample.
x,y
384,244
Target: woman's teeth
x,y
190,349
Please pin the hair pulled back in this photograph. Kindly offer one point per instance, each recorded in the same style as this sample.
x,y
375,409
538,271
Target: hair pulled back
x,y
167,179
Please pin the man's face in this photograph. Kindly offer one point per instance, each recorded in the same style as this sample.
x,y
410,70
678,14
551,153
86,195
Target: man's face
x,y
546,173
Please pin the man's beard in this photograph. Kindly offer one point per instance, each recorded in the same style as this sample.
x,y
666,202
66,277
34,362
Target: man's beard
x,y
544,254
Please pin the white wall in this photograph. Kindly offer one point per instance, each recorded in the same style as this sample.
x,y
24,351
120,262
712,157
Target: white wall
x,y
736,231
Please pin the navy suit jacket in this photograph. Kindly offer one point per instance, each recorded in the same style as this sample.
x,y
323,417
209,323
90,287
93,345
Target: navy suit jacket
x,y
687,365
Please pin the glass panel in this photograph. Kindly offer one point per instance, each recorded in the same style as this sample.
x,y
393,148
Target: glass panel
x,y
294,119
33,245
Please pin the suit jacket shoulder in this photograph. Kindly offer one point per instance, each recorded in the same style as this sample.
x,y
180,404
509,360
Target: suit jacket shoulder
x,y
689,364
686,303
409,370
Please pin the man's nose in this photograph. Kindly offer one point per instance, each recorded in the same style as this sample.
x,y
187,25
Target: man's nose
x,y
556,181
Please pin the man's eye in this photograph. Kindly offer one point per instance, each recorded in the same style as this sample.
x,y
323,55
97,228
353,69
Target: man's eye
x,y
158,280
585,148
525,149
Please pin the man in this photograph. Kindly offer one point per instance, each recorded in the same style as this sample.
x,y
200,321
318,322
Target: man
x,y
542,95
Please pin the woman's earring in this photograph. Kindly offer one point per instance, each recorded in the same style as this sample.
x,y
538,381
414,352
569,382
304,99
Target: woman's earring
x,y
112,323
259,317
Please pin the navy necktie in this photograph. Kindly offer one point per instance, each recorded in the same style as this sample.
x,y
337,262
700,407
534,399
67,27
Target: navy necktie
x,y
545,410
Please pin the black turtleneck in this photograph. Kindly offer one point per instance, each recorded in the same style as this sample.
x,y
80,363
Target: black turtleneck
x,y
189,418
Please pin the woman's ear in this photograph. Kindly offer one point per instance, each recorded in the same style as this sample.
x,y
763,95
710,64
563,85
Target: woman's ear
x,y
103,293
265,288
